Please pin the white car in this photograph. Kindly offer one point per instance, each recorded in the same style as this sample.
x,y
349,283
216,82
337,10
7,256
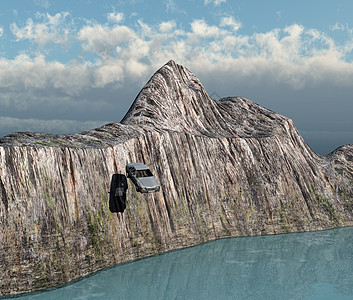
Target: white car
x,y
142,177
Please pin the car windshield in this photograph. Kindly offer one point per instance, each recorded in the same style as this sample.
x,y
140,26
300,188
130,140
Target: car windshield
x,y
143,173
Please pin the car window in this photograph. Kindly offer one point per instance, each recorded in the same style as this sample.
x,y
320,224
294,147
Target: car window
x,y
144,173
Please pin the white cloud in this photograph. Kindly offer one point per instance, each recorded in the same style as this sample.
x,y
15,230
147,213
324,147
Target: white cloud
x,y
172,7
342,27
215,2
286,44
202,29
26,73
291,54
102,40
146,30
338,27
229,21
53,29
42,3
166,26
115,17
110,72
1,31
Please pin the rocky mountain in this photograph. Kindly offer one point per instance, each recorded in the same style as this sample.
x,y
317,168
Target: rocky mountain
x,y
226,168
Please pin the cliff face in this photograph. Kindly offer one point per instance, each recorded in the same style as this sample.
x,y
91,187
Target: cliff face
x,y
226,168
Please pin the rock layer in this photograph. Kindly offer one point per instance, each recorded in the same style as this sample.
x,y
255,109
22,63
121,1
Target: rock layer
x,y
226,168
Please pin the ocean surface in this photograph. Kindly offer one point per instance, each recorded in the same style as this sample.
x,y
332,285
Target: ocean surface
x,y
311,265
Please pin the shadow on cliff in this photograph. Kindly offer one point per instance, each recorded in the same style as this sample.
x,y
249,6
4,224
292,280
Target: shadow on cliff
x,y
117,194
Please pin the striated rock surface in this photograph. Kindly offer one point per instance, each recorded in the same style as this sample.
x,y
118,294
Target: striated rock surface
x,y
226,168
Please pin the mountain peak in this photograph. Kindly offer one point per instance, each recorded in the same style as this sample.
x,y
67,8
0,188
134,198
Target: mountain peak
x,y
174,99
169,100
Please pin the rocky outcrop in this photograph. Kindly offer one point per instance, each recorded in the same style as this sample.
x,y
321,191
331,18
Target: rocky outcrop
x,y
226,168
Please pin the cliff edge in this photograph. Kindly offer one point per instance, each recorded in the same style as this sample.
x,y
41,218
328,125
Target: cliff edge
x,y
227,168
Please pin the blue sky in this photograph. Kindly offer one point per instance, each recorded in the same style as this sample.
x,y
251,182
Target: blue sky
x,y
69,66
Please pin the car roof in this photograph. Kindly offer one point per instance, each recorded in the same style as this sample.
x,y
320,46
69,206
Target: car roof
x,y
137,166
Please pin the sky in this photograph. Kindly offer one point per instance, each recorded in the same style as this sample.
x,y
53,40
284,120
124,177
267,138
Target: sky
x,y
70,66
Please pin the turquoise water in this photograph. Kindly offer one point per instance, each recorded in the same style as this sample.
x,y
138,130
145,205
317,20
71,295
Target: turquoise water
x,y
312,265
